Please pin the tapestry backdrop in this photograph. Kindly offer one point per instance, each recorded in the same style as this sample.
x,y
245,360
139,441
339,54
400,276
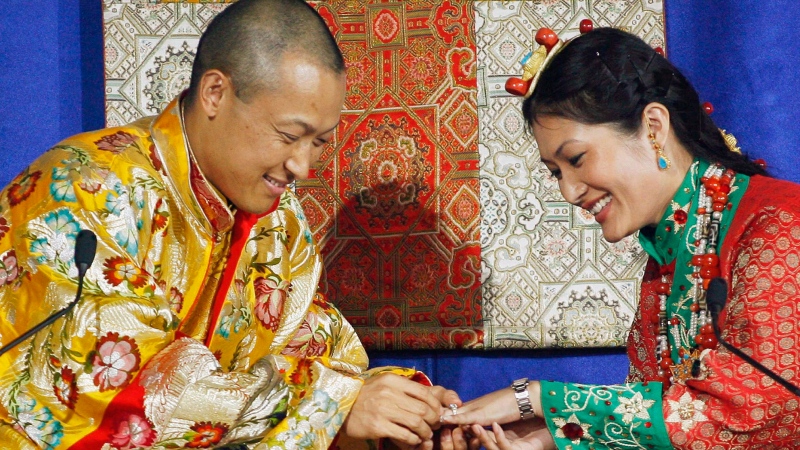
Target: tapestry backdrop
x,y
438,225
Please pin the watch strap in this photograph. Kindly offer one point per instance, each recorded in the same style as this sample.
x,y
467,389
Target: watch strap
x,y
520,388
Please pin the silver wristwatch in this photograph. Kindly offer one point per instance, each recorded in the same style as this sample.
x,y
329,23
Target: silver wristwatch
x,y
520,388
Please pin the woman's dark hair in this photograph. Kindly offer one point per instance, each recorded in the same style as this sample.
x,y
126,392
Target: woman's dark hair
x,y
608,76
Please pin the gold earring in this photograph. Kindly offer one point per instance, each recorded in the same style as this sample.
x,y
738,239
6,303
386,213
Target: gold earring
x,y
661,158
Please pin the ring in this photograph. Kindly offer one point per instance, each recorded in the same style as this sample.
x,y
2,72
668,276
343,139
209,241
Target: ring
x,y
454,408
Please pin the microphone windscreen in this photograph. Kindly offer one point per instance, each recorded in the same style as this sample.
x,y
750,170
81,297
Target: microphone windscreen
x,y
85,248
716,295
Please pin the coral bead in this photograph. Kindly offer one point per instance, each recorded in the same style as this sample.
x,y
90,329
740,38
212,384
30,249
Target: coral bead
x,y
708,272
709,259
708,107
546,37
517,86
586,26
709,341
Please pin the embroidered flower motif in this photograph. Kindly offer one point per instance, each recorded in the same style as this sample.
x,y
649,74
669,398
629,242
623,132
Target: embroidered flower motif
x,y
175,300
157,164
38,425
270,297
116,142
686,411
323,413
309,340
65,387
3,227
113,362
298,436
679,214
572,429
118,270
8,268
57,242
205,434
61,187
133,432
302,375
160,217
635,406
22,187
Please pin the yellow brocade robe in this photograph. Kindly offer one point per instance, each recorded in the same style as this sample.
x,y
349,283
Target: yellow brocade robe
x,y
197,327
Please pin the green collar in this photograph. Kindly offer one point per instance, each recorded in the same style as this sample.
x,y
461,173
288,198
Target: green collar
x,y
673,240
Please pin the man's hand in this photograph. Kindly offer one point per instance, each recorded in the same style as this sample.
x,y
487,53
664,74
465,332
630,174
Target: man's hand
x,y
394,407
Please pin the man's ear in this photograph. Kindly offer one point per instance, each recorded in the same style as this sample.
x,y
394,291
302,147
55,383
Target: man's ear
x,y
214,88
657,116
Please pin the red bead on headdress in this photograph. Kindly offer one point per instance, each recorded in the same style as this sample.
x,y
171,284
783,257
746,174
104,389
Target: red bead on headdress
x,y
536,61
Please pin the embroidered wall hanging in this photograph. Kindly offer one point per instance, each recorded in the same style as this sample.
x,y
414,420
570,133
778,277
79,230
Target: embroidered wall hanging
x,y
438,225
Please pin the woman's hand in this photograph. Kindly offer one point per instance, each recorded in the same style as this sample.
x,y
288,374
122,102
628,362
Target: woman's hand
x,y
520,435
499,406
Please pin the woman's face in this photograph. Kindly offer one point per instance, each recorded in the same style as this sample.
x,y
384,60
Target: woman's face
x,y
613,176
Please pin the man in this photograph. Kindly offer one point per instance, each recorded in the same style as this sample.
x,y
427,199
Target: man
x,y
199,324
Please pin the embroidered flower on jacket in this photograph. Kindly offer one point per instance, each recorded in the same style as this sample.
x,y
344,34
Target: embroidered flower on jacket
x,y
270,297
8,268
679,214
133,432
65,387
114,361
61,187
3,227
157,164
175,300
572,429
38,424
309,340
116,142
322,412
22,187
57,242
118,270
205,434
635,406
686,411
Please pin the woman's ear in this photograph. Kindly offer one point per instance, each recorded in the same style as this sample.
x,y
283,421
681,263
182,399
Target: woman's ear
x,y
656,116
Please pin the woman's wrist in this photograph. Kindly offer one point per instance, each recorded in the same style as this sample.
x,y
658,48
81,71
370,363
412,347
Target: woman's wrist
x,y
535,394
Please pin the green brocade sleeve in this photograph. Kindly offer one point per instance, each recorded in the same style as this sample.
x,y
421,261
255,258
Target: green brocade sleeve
x,y
596,417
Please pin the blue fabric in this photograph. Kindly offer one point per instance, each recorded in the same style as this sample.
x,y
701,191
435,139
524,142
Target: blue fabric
x,y
740,55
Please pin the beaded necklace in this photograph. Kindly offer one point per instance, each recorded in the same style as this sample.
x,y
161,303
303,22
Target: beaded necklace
x,y
685,244
713,200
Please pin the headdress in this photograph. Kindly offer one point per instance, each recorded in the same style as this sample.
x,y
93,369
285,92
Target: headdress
x,y
534,63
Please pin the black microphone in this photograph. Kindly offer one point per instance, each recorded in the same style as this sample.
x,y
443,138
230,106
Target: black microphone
x,y
716,296
85,248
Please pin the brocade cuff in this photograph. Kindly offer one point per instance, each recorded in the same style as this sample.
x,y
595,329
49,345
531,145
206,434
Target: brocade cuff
x,y
595,417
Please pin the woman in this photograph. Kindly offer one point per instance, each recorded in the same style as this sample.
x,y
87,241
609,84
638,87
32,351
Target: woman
x,y
628,140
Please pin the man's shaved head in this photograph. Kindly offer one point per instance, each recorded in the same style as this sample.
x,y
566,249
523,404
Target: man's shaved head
x,y
247,40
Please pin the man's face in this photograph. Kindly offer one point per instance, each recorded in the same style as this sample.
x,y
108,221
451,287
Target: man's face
x,y
260,146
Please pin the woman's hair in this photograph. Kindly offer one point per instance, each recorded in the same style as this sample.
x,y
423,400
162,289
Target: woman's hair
x,y
608,76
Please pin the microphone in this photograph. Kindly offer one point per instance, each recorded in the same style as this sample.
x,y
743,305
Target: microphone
x,y
716,296
85,248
